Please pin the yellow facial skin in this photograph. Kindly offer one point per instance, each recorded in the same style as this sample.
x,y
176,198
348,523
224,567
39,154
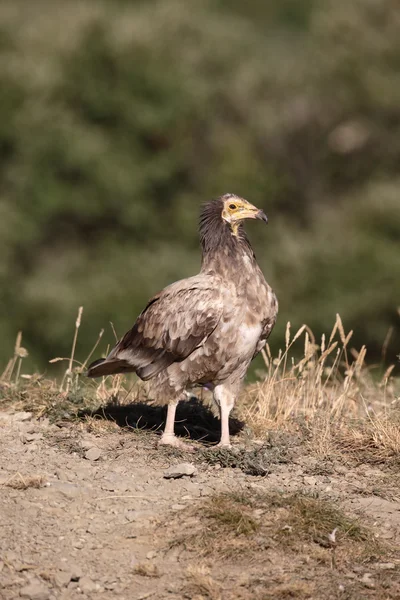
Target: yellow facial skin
x,y
237,209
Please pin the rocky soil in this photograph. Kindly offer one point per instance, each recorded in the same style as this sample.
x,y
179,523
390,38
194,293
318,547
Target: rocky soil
x,y
97,511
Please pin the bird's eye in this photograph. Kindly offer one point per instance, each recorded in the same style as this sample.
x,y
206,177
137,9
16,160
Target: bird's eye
x,y
232,206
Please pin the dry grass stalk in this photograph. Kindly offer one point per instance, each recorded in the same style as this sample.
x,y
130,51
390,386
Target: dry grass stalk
x,y
68,373
19,354
20,482
329,378
200,584
147,569
373,441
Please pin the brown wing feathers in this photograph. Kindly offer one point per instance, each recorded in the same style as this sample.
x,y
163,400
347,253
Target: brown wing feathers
x,y
171,327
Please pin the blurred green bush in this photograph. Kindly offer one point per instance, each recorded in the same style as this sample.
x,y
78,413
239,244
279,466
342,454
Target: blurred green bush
x,y
117,119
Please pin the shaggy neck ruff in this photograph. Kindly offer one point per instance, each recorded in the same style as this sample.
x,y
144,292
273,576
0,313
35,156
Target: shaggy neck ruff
x,y
220,246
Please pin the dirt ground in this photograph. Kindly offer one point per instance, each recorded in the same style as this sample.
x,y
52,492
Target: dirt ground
x,y
86,512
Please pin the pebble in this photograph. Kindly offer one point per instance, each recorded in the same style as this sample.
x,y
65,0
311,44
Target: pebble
x,y
35,591
87,585
30,437
74,571
386,535
93,454
22,416
87,444
181,470
386,566
178,506
151,554
110,586
66,489
310,480
73,585
62,578
367,581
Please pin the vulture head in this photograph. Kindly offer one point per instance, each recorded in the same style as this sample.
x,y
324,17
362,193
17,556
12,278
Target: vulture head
x,y
236,209
221,223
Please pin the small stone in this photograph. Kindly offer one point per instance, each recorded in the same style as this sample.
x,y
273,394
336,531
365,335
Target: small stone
x,y
152,554
76,572
386,535
386,566
367,581
310,480
178,506
93,454
35,591
22,416
181,470
62,578
87,444
66,489
31,437
73,585
110,586
87,585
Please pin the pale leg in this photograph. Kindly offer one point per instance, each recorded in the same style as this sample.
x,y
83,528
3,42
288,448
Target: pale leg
x,y
169,438
169,433
225,400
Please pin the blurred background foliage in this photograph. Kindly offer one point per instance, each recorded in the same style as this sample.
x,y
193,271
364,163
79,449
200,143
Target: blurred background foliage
x,y
117,119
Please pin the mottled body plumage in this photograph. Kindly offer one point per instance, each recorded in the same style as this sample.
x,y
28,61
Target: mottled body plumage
x,y
205,329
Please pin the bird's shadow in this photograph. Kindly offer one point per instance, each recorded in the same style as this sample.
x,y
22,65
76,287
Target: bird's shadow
x,y
193,418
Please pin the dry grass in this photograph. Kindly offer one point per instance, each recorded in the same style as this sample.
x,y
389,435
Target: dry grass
x,y
329,377
326,392
284,591
24,482
65,399
329,392
279,546
201,585
147,569
232,524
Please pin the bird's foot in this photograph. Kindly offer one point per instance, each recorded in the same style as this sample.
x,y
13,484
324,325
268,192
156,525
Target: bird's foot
x,y
224,445
175,442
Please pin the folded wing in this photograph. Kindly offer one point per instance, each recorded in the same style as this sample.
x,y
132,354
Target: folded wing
x,y
173,325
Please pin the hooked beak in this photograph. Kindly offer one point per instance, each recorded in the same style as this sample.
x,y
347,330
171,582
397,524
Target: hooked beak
x,y
249,211
261,216
252,212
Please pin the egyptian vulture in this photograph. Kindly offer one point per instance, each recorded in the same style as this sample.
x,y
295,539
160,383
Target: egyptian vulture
x,y
204,330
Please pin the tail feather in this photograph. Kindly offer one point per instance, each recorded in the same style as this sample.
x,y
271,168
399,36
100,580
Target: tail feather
x,y
104,366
